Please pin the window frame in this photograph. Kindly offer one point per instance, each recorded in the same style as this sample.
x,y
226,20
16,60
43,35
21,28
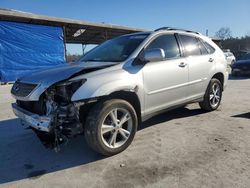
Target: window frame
x,y
204,43
201,42
183,47
162,34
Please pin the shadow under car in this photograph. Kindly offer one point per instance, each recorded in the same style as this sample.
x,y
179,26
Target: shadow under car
x,y
22,155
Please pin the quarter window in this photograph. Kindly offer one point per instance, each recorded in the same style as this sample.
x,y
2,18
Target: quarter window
x,y
168,43
203,48
191,45
209,48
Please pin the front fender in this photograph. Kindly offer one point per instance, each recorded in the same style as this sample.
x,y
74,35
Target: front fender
x,y
92,90
108,88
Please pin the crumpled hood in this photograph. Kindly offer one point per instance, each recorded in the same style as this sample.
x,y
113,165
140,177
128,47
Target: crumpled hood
x,y
53,75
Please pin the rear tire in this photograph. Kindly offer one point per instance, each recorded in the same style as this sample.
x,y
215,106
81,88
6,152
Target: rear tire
x,y
111,126
212,96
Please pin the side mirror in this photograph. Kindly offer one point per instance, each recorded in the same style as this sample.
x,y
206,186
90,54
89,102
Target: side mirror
x,y
155,54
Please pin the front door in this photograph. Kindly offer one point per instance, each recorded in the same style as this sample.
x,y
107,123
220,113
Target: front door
x,y
165,82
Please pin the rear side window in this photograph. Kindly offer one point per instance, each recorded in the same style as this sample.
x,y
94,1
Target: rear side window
x,y
203,48
168,43
209,48
191,45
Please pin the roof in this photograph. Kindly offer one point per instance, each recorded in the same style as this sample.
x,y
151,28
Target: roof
x,y
176,29
75,31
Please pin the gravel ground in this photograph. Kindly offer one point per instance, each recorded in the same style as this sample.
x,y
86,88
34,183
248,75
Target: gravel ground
x,y
181,148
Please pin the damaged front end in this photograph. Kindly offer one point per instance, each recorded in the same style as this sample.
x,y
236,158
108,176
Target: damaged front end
x,y
54,118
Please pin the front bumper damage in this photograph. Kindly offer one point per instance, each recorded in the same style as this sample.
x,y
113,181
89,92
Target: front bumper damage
x,y
54,117
40,123
55,128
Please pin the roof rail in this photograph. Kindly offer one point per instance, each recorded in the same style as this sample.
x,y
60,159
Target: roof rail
x,y
176,29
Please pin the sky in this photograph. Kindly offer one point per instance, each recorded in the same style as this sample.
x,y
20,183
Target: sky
x,y
198,15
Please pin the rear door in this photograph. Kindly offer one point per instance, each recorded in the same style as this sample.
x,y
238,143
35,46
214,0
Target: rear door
x,y
200,62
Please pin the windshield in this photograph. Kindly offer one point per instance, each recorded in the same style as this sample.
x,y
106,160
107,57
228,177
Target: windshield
x,y
115,50
245,57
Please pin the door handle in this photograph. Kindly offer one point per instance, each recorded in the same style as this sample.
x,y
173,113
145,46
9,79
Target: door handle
x,y
182,64
211,60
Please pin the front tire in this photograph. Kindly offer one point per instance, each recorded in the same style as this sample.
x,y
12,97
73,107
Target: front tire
x,y
111,126
212,96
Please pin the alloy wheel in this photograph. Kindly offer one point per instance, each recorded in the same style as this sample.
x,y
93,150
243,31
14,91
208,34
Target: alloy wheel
x,y
215,95
116,127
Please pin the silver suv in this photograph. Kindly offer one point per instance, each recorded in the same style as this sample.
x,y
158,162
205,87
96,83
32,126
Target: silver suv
x,y
119,84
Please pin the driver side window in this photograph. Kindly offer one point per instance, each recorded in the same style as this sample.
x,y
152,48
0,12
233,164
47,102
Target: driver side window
x,y
168,43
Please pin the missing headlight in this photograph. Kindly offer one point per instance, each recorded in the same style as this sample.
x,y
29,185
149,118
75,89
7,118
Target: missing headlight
x,y
68,88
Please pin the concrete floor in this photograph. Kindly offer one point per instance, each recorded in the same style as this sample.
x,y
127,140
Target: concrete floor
x,y
182,148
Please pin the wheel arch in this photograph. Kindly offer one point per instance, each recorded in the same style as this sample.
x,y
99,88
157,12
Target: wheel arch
x,y
129,96
220,77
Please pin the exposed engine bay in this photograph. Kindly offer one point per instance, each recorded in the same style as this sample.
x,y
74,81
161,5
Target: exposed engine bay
x,y
55,103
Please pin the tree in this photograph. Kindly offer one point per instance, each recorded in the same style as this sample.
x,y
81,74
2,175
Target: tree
x,y
72,57
224,33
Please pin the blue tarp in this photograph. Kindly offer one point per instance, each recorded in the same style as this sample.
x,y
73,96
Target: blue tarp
x,y
25,48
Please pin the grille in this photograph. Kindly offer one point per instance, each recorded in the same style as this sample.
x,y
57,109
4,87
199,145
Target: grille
x,y
37,107
22,89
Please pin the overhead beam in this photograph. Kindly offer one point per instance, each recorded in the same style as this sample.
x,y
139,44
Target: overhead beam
x,y
95,33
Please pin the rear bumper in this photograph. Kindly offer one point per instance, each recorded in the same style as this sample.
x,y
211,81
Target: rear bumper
x,y
226,76
41,123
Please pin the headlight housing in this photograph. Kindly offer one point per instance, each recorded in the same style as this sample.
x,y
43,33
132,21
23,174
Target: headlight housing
x,y
68,88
